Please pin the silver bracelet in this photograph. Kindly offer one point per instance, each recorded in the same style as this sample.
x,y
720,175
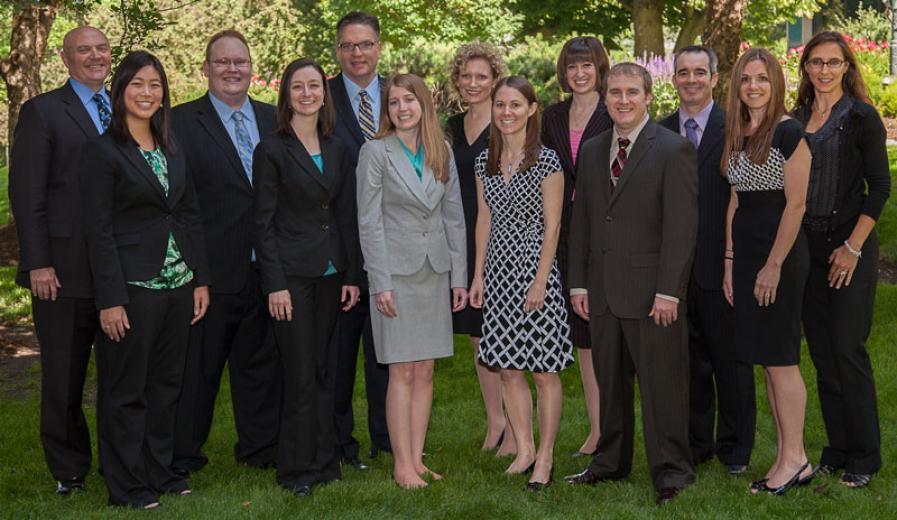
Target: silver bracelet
x,y
851,250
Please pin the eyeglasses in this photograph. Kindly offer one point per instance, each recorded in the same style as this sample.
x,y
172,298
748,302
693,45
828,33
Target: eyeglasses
x,y
350,47
818,63
224,63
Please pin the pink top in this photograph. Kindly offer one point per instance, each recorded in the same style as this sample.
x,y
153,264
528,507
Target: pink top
x,y
575,138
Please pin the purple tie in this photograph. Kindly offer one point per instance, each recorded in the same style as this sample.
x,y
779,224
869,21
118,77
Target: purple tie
x,y
691,132
619,162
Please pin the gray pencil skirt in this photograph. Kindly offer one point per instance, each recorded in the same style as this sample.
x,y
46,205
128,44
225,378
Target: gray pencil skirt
x,y
423,328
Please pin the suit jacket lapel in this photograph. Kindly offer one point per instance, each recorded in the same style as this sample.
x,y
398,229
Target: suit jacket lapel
x,y
132,152
332,174
75,109
302,157
266,125
343,106
209,120
406,171
716,127
177,177
563,139
640,149
604,167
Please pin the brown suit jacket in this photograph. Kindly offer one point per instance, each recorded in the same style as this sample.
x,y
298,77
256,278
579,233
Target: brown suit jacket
x,y
628,245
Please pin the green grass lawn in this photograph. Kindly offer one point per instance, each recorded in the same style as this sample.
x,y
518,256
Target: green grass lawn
x,y
474,486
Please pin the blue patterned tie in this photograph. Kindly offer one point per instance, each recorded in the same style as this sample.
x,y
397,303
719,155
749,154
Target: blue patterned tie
x,y
103,110
691,131
244,143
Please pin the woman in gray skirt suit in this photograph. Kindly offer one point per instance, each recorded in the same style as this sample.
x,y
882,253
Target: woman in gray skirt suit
x,y
411,226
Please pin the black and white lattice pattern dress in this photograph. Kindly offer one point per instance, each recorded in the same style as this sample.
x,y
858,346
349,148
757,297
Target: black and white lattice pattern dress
x,y
537,341
768,336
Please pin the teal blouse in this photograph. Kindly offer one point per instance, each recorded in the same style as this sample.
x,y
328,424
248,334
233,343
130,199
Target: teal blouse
x,y
175,272
319,162
417,159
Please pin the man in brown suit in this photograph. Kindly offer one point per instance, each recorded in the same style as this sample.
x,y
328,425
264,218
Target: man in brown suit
x,y
631,244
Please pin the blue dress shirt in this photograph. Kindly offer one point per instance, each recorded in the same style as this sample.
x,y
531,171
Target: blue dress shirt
x,y
373,90
225,112
86,96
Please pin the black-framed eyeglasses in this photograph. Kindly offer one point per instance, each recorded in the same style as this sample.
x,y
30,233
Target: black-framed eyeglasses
x,y
350,47
224,63
818,63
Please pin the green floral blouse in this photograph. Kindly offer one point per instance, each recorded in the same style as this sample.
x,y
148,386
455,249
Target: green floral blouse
x,y
175,272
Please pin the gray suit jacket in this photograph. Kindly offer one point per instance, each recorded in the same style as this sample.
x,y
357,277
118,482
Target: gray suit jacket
x,y
628,245
403,220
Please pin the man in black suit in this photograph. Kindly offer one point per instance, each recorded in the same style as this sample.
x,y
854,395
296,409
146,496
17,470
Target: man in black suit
x,y
356,93
631,244
45,199
722,389
218,133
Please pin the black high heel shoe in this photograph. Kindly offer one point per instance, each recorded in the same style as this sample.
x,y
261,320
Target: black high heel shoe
x,y
529,470
535,487
793,481
501,439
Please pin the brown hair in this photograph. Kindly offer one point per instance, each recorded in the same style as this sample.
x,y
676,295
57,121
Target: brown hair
x,y
533,145
326,117
358,18
579,49
738,117
431,136
227,33
473,51
629,68
852,81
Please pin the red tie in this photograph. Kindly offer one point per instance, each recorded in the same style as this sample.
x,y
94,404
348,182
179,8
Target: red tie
x,y
619,162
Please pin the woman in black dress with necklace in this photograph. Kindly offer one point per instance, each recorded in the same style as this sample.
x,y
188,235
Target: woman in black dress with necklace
x,y
581,69
475,69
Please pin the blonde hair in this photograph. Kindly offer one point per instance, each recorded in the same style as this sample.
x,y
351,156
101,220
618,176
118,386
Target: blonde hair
x,y
431,136
477,50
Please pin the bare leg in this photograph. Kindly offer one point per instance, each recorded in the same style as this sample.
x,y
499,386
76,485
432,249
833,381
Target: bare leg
x,y
590,391
549,404
490,385
398,421
770,394
791,405
519,404
421,404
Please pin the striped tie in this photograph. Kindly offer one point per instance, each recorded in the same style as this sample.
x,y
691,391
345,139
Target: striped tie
x,y
366,116
619,162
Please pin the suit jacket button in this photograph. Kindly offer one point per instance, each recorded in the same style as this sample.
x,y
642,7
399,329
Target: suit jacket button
x,y
325,227
325,205
608,218
425,233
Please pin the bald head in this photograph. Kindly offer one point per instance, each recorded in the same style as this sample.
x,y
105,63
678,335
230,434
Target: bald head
x,y
87,56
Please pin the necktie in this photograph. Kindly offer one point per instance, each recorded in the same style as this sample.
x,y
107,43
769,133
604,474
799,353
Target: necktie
x,y
691,131
619,162
366,116
244,143
104,110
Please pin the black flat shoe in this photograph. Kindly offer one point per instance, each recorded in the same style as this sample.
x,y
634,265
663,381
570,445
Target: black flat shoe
x,y
355,462
793,481
576,454
736,469
301,491
535,487
856,480
67,487
666,495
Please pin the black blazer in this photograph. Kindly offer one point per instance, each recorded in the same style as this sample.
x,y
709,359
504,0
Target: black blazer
x,y
225,193
303,218
44,189
128,218
556,135
713,200
628,245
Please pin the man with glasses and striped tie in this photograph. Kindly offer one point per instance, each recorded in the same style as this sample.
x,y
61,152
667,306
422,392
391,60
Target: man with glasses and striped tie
x,y
356,96
43,193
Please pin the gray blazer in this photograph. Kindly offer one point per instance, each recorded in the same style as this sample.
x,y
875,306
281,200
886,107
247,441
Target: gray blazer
x,y
403,220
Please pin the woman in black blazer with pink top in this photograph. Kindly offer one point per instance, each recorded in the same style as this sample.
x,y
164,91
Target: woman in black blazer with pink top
x,y
307,249
581,70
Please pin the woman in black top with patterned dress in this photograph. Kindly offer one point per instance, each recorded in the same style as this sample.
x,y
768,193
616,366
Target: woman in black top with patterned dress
x,y
475,69
767,162
849,185
581,69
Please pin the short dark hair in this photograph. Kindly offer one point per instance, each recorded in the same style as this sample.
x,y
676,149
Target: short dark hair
x,y
632,69
579,49
326,116
695,49
160,123
227,33
358,18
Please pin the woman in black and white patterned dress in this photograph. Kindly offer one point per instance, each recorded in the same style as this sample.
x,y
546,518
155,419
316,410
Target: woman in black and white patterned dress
x,y
767,162
520,191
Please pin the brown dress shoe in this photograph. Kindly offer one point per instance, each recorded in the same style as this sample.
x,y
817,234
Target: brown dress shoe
x,y
666,495
587,477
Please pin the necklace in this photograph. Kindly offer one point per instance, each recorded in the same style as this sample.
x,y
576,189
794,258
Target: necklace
x,y
513,161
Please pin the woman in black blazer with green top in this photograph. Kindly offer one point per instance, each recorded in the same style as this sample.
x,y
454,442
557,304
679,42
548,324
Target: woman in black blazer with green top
x,y
150,276
307,248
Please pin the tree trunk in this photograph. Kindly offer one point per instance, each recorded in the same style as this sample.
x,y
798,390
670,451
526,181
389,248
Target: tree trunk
x,y
723,34
647,17
694,26
31,24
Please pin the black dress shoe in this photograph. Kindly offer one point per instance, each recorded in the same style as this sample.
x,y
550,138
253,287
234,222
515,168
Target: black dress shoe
x,y
666,495
535,487
587,478
576,454
376,450
181,472
67,487
355,462
736,469
301,491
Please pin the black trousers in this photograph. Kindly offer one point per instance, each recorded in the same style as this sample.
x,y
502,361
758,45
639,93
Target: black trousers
x,y
306,452
837,323
622,348
236,331
65,330
140,380
351,327
721,391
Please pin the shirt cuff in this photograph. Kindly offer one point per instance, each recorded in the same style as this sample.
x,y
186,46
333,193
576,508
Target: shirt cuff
x,y
667,297
576,291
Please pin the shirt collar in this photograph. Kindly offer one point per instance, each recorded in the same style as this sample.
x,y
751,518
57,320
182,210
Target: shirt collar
x,y
633,135
701,118
225,111
353,90
84,93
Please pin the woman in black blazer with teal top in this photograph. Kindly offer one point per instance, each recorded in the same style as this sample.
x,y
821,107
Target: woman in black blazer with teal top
x,y
150,276
307,249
